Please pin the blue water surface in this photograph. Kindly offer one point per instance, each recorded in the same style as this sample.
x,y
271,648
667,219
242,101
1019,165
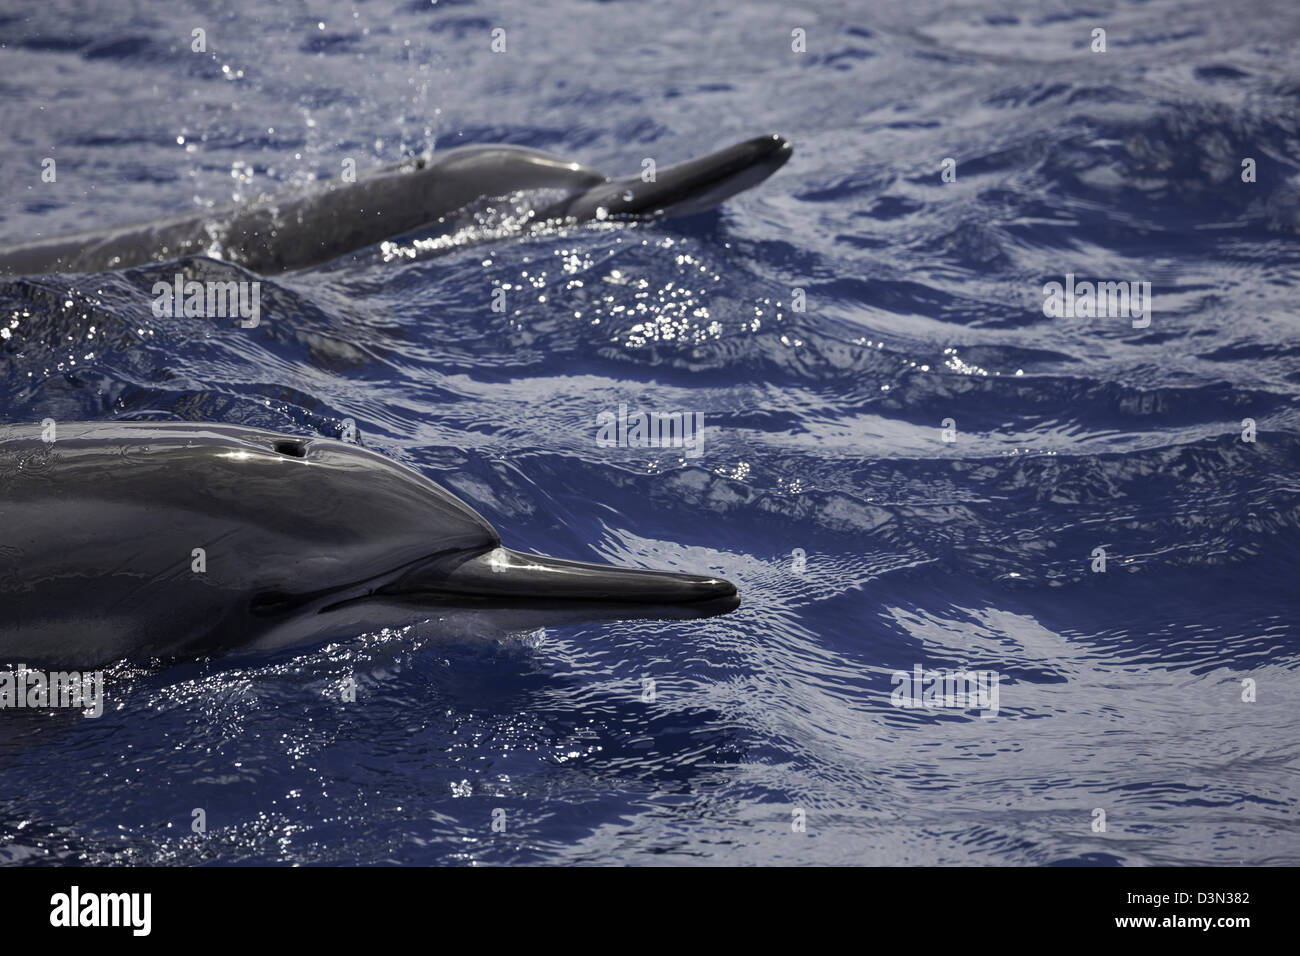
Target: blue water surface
x,y
710,742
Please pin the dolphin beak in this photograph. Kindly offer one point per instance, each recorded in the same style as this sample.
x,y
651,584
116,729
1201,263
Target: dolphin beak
x,y
689,187
502,575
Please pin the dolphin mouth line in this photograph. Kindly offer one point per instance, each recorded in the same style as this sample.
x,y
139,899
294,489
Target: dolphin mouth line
x,y
501,575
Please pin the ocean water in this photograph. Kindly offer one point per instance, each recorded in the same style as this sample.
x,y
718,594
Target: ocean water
x,y
864,543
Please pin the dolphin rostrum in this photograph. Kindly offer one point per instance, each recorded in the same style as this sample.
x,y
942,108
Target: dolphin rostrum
x,y
135,540
324,224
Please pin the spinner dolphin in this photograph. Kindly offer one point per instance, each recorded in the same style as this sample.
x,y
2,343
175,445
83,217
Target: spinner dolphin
x,y
329,222
134,540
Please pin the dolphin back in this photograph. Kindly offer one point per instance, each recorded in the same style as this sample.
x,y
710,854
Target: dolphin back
x,y
155,539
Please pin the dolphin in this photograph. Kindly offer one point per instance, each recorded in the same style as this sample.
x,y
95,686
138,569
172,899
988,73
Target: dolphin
x,y
167,540
320,225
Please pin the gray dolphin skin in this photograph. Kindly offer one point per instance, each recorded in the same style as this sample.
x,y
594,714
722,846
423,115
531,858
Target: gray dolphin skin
x,y
143,540
324,224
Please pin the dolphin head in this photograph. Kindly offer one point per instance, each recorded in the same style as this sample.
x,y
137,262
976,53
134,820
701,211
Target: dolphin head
x,y
289,527
387,532
461,562
685,188
181,538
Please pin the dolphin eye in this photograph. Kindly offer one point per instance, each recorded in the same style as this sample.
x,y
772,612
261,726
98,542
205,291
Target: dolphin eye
x,y
294,449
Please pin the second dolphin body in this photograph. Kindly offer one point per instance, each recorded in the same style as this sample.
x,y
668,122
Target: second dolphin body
x,y
324,224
